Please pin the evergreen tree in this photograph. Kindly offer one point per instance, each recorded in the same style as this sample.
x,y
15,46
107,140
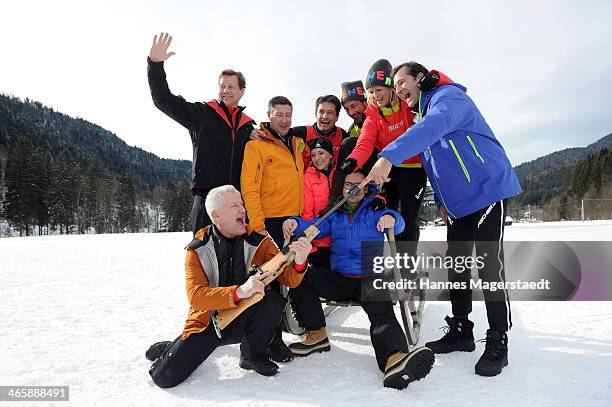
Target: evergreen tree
x,y
65,184
20,183
186,199
41,167
563,207
126,205
96,199
169,205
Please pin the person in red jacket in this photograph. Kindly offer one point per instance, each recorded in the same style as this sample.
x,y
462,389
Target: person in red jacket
x,y
355,104
387,118
327,112
317,179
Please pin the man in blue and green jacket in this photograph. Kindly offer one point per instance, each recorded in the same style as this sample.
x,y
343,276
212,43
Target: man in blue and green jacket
x,y
348,227
472,179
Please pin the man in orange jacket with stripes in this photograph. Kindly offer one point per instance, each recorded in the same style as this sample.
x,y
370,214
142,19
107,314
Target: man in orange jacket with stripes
x,y
216,266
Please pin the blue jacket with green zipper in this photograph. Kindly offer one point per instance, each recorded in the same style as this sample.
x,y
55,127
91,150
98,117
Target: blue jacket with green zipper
x,y
348,256
466,165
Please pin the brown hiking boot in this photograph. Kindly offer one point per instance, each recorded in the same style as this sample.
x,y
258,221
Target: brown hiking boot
x,y
313,341
403,368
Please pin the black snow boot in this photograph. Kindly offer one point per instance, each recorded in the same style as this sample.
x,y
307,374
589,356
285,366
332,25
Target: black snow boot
x,y
458,336
279,352
495,356
263,367
156,350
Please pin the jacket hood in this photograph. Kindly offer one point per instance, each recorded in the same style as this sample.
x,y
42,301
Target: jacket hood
x,y
445,80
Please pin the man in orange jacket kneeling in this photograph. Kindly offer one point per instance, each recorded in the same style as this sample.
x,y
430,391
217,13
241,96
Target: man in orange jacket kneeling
x,y
216,265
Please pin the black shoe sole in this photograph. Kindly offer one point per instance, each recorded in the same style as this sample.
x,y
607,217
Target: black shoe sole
x,y
490,373
415,366
284,359
247,366
317,348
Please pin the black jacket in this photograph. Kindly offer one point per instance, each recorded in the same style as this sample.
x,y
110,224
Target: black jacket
x,y
218,138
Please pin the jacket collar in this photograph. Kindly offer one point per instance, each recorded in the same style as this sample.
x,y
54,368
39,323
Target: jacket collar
x,y
324,133
272,136
221,109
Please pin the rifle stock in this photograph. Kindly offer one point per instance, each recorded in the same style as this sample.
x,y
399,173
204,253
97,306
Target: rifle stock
x,y
276,265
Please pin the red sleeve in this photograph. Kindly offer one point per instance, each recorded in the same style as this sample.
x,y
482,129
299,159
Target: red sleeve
x,y
309,211
367,138
300,268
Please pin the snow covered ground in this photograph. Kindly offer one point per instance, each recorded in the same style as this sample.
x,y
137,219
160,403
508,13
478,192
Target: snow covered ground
x,y
81,310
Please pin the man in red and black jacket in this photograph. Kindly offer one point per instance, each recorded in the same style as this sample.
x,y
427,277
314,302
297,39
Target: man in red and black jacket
x,y
327,111
219,129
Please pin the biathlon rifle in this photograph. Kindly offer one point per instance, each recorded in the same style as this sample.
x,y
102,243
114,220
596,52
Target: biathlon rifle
x,y
222,318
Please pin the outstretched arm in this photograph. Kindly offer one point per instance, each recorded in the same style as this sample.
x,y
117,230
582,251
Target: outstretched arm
x,y
176,107
367,139
449,111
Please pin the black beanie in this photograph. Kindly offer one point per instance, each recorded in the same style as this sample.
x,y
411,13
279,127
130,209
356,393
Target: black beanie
x,y
321,142
380,74
352,91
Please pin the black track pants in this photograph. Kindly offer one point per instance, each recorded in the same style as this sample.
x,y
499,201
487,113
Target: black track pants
x,y
253,329
385,332
483,229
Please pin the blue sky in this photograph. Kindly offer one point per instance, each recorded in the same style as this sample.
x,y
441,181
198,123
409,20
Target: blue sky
x,y
540,71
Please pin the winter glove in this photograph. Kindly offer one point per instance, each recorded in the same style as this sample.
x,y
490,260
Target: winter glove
x,y
429,81
378,203
348,166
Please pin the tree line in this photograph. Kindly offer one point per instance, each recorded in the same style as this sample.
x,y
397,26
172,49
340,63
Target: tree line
x,y
591,177
545,178
53,194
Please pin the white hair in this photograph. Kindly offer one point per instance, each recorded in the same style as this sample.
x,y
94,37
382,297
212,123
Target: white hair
x,y
214,199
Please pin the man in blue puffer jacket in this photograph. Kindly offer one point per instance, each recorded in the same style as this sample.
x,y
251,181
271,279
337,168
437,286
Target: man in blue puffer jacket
x,y
472,178
357,221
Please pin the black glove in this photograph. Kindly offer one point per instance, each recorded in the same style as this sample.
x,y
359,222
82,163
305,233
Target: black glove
x,y
429,81
378,203
348,166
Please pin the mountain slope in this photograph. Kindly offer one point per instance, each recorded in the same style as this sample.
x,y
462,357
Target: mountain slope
x,y
55,132
542,179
